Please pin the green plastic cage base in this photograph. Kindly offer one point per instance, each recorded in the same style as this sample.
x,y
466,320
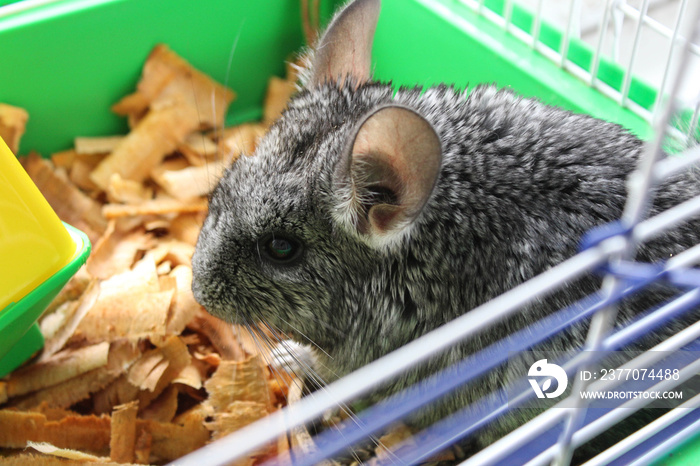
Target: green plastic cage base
x,y
20,336
686,454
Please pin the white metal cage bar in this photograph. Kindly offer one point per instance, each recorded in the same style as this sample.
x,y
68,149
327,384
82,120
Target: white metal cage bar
x,y
646,20
569,31
671,50
671,443
26,5
644,433
555,56
635,49
599,43
618,10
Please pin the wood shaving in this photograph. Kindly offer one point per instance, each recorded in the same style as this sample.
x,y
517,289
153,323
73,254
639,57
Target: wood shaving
x,y
70,204
13,121
127,191
166,74
154,207
157,135
101,145
49,449
199,149
122,442
58,368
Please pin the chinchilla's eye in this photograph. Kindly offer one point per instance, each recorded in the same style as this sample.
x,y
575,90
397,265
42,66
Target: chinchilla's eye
x,y
280,248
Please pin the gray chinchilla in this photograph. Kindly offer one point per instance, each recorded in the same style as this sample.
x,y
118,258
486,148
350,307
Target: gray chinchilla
x,y
367,218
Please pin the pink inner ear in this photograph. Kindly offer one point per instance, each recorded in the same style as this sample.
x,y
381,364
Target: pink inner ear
x,y
346,47
383,217
396,149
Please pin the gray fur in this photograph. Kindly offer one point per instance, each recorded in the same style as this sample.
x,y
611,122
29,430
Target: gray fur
x,y
520,182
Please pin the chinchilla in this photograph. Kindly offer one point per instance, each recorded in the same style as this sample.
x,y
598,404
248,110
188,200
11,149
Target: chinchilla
x,y
367,216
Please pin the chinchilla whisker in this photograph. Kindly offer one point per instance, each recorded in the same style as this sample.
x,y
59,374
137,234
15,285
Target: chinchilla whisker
x,y
255,336
230,55
308,372
317,380
227,77
307,338
329,369
274,371
308,369
213,108
261,341
258,333
304,365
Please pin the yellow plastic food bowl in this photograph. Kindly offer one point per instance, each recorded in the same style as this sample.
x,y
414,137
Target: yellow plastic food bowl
x,y
38,255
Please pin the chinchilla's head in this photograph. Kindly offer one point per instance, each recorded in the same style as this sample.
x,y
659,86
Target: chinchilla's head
x,y
302,234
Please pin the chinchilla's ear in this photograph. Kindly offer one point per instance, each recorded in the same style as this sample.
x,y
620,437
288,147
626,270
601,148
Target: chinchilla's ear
x,y
345,49
386,174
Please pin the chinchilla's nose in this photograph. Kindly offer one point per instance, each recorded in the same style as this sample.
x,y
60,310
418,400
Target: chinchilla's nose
x,y
212,285
203,277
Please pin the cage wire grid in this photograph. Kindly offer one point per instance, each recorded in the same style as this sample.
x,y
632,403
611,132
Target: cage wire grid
x,y
610,37
609,248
